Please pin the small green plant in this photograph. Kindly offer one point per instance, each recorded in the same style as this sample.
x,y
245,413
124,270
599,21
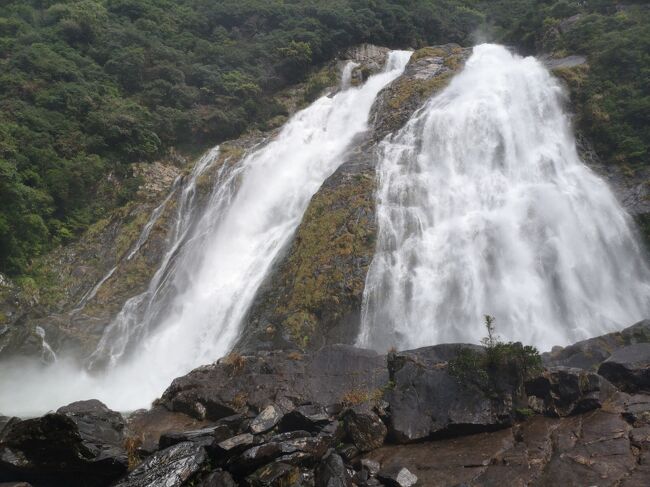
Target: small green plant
x,y
499,365
524,412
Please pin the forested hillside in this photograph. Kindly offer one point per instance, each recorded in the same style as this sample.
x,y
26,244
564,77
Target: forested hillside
x,y
88,87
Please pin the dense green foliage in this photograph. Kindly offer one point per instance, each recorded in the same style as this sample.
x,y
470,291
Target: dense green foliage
x,y
498,365
89,86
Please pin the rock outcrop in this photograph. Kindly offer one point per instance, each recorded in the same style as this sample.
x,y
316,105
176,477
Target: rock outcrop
x,y
81,444
343,416
629,368
589,354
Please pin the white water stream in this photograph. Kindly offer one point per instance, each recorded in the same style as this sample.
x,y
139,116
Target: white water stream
x,y
192,310
484,207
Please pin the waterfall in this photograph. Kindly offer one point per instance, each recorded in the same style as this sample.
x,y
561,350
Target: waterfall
x,y
484,207
191,313
346,76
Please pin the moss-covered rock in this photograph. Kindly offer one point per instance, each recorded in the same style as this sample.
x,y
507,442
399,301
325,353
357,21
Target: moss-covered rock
x,y
429,71
314,295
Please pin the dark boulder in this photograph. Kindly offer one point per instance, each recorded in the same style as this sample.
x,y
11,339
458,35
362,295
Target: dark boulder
x,y
397,477
235,444
276,474
218,478
364,427
207,437
288,448
250,383
629,368
563,391
80,444
311,417
426,400
266,420
331,472
589,354
171,467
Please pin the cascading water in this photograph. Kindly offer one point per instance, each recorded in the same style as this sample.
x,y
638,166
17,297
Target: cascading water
x,y
484,207
194,306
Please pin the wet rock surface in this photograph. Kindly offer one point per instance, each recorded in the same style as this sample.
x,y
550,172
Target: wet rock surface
x,y
629,368
257,380
80,444
172,467
589,354
563,391
426,400
267,419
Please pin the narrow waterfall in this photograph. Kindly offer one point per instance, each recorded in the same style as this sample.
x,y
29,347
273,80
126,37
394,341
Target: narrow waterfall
x,y
194,306
484,207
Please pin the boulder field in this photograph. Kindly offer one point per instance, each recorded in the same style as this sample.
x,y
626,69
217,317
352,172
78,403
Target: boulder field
x,y
343,416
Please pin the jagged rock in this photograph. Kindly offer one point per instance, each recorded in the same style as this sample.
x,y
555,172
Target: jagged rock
x,y
236,443
589,354
429,70
629,368
331,472
266,420
80,444
219,478
293,450
322,377
171,467
397,477
275,474
309,417
332,433
427,400
206,437
365,428
348,452
563,391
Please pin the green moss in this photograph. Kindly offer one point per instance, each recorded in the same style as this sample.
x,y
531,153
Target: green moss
x,y
575,76
428,52
524,412
130,232
318,282
407,89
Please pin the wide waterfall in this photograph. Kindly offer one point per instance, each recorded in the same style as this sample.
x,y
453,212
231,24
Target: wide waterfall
x,y
484,207
195,304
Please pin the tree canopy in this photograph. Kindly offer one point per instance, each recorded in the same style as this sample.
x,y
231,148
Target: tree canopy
x,y
88,87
